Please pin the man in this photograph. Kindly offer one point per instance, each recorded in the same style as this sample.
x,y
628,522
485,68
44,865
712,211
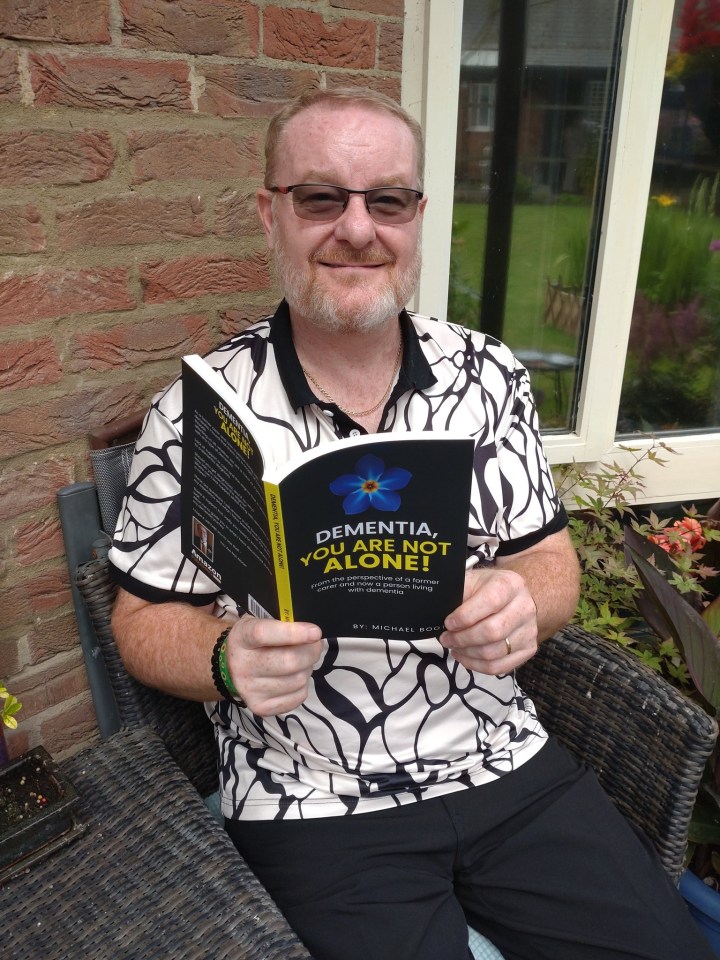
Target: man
x,y
386,791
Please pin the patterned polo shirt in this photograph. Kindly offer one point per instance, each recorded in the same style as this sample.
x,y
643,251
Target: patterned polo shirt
x,y
386,722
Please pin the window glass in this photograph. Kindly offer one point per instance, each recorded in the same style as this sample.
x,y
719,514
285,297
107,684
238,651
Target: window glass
x,y
672,371
536,94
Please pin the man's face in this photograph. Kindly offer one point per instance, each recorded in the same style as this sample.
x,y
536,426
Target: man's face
x,y
351,273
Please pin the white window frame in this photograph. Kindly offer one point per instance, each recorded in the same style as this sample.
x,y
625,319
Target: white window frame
x,y
430,84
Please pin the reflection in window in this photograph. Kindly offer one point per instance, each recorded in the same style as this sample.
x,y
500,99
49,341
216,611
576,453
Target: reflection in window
x,y
672,372
535,96
481,106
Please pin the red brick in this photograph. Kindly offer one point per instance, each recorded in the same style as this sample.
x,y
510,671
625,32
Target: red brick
x,y
56,679
53,636
70,729
129,220
300,35
51,293
165,338
15,606
195,156
49,590
99,83
390,86
10,89
39,540
67,418
247,90
236,214
69,21
200,276
390,47
10,660
28,363
74,681
386,8
222,27
233,321
21,229
30,157
32,486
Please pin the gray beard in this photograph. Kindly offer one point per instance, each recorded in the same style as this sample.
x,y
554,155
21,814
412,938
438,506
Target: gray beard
x,y
325,310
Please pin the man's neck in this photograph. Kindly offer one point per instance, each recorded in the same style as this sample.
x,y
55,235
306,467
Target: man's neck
x,y
354,368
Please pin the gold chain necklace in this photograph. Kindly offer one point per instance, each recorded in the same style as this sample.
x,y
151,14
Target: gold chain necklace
x,y
360,413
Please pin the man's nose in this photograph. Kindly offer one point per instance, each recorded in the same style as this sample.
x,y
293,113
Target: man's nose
x,y
355,225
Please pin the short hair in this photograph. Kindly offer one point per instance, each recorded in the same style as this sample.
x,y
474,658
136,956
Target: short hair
x,y
360,96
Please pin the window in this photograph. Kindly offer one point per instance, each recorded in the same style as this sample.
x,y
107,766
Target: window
x,y
480,106
589,92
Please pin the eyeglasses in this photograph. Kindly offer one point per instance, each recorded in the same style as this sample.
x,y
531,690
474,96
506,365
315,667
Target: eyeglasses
x,y
324,203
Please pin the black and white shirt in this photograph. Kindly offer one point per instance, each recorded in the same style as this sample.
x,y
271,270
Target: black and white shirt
x,y
386,722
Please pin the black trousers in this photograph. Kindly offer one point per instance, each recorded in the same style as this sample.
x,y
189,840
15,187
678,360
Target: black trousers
x,y
539,861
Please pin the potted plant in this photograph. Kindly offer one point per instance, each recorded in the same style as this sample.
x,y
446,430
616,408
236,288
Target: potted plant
x,y
10,706
36,802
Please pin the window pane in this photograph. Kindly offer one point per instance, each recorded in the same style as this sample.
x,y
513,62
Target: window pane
x,y
536,86
672,373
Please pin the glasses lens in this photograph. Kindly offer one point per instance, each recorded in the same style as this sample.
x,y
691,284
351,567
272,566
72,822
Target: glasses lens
x,y
313,202
392,204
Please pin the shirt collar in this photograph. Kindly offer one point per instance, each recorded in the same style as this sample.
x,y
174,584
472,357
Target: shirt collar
x,y
415,371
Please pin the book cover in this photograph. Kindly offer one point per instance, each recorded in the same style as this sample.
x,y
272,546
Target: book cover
x,y
364,536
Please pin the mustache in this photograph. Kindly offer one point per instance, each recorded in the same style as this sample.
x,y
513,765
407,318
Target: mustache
x,y
351,257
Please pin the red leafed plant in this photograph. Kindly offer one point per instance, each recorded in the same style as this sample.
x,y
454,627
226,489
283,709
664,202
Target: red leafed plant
x,y
700,26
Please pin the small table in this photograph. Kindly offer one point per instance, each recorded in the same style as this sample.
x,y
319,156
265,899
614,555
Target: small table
x,y
152,876
554,363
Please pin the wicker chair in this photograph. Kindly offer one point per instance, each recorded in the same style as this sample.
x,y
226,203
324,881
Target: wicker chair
x,y
647,743
146,872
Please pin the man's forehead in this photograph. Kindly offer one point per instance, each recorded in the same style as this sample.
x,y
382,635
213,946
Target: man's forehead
x,y
324,132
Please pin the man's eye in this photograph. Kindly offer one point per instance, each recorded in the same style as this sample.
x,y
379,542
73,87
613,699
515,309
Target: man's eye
x,y
390,201
321,196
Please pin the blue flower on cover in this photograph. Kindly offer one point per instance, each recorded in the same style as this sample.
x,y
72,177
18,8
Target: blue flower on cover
x,y
371,486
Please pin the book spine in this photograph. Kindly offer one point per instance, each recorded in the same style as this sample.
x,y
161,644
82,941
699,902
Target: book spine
x,y
280,559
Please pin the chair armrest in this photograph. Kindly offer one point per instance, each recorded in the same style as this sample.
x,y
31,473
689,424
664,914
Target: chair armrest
x,y
647,743
183,724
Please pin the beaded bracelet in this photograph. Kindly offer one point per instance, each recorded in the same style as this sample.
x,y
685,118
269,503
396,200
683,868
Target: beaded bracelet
x,y
221,673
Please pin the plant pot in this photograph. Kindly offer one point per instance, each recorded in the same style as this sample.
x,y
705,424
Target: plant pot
x,y
704,905
36,811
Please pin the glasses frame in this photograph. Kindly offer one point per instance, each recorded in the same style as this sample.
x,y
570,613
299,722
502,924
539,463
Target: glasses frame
x,y
285,191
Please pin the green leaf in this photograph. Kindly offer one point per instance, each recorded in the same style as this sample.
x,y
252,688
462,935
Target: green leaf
x,y
670,615
711,616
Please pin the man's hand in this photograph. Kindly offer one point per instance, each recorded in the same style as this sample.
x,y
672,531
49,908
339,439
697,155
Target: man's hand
x,y
270,662
494,629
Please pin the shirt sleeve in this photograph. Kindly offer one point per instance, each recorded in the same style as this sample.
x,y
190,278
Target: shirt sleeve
x,y
531,509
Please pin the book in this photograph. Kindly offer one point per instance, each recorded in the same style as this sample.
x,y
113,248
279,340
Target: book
x,y
364,536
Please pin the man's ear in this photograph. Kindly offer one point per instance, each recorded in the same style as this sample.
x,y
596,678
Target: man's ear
x,y
265,211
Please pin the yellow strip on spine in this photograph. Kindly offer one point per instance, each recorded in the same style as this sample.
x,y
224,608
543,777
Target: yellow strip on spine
x,y
277,545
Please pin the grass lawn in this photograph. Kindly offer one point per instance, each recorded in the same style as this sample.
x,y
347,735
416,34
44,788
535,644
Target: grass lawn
x,y
542,237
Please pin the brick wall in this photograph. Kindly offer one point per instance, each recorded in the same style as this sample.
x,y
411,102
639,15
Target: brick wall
x,y
131,134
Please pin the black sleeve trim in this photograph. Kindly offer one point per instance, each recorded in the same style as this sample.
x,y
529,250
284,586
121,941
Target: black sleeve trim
x,y
558,523
155,595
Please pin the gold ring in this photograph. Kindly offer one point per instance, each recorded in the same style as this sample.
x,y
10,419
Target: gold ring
x,y
508,645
